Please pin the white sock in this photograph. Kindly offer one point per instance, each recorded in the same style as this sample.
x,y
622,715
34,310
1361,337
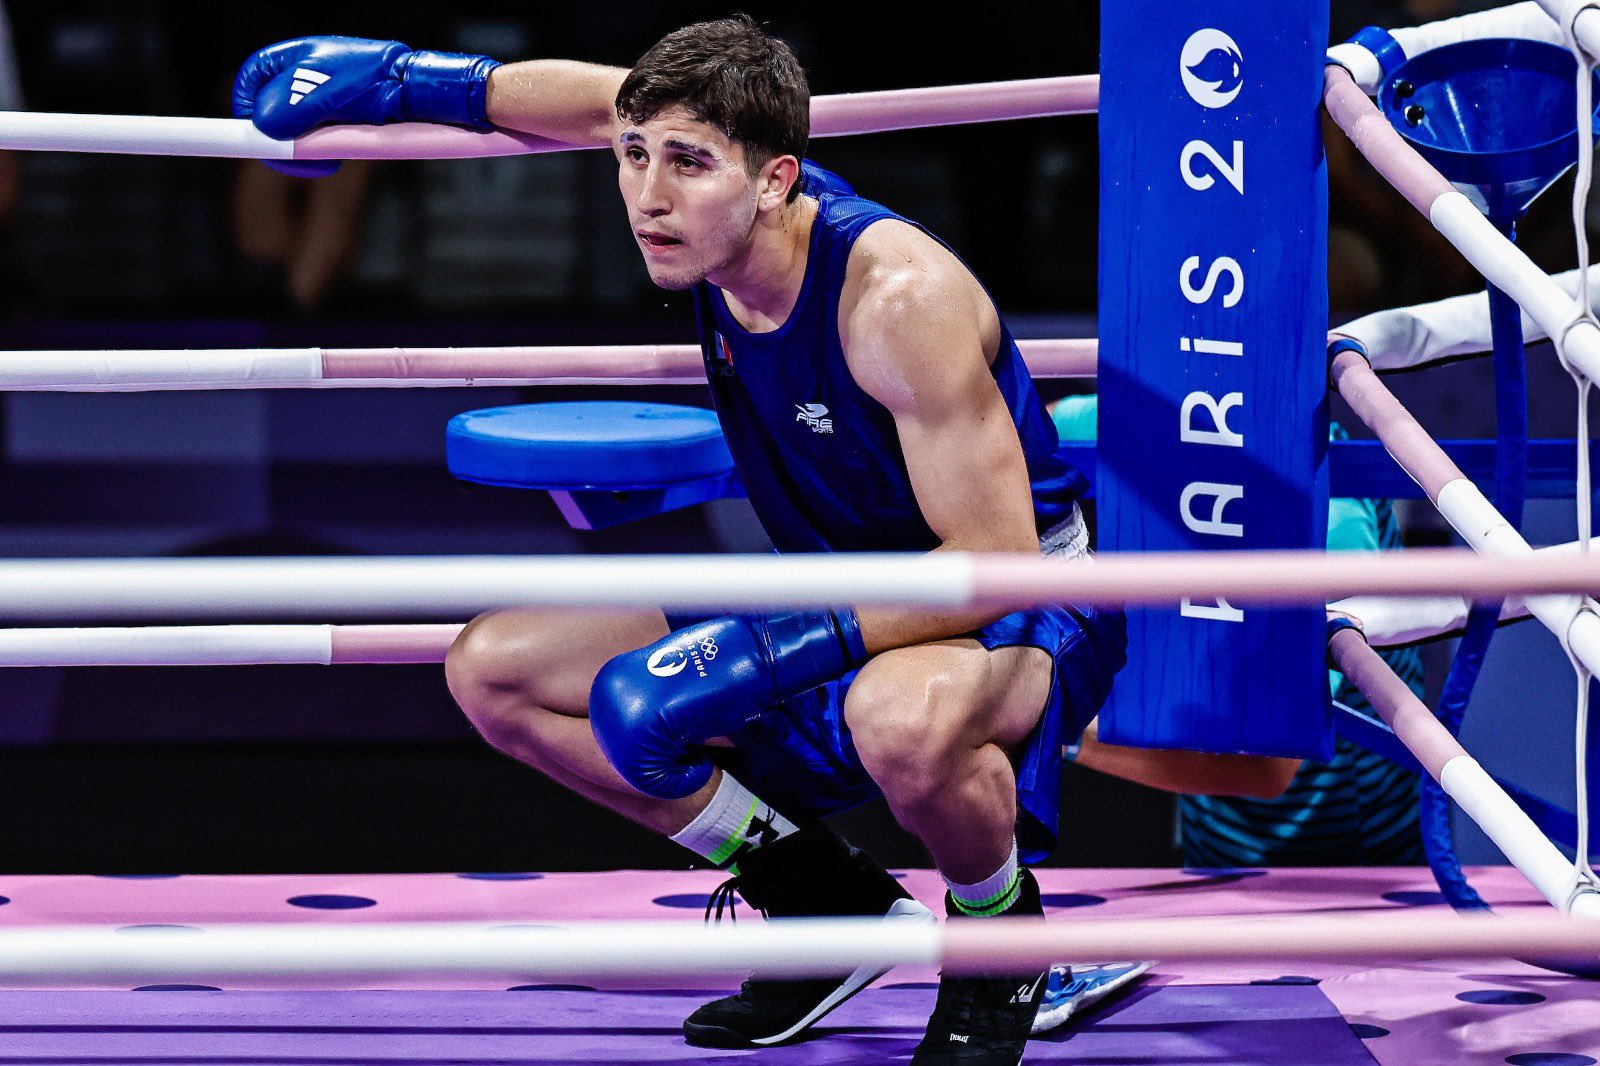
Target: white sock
x,y
994,893
733,824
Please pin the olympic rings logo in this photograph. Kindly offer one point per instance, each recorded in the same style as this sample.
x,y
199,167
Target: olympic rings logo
x,y
671,660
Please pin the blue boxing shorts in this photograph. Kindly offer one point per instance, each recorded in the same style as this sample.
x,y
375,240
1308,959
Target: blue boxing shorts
x,y
801,759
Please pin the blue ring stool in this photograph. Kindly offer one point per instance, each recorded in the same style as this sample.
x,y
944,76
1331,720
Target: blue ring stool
x,y
603,462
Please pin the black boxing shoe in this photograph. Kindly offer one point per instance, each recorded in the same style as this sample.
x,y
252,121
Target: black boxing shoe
x,y
810,873
985,1021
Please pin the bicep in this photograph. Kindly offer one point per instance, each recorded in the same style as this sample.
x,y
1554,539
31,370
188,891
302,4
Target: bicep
x,y
917,349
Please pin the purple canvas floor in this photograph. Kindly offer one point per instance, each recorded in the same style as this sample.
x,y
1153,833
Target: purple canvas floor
x,y
1312,1013
1183,1023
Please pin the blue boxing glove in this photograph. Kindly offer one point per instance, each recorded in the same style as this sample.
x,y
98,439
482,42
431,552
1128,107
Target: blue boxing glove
x,y
650,708
293,86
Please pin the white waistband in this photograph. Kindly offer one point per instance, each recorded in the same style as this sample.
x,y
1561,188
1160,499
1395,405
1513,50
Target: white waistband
x,y
1068,538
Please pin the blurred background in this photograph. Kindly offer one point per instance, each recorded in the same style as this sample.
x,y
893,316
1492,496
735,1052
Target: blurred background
x,y
371,768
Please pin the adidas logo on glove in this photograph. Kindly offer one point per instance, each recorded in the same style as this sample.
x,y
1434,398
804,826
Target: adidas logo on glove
x,y
305,80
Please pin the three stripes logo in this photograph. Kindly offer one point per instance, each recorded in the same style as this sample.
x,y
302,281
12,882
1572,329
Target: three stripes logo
x,y
305,80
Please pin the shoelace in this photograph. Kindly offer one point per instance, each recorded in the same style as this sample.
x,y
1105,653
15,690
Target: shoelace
x,y
973,1005
959,1006
725,897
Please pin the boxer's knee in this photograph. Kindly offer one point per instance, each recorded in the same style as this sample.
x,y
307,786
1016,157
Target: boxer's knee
x,y
493,670
915,734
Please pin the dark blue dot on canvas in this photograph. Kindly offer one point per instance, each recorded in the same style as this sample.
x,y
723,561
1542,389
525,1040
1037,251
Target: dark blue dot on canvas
x,y
4,900
138,877
550,988
1416,899
919,985
331,902
690,901
501,876
1229,873
1368,1032
157,929
1549,1058
1070,899
177,988
1289,979
1499,997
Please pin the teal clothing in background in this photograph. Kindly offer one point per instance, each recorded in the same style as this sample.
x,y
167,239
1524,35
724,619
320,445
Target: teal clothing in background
x,y
1358,809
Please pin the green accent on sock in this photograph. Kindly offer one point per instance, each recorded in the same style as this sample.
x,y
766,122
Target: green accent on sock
x,y
731,845
1000,901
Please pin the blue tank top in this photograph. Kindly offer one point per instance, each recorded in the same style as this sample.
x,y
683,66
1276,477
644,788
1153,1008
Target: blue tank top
x,y
819,458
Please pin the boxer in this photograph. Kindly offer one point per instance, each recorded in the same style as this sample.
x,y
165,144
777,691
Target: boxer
x,y
873,400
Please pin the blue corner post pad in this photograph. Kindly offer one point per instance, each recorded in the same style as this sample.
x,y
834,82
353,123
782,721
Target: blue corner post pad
x,y
603,462
1213,366
1384,48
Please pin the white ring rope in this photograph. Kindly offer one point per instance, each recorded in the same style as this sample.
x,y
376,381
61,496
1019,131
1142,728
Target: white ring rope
x,y
54,956
1479,795
840,115
1402,338
1383,621
1577,21
1464,505
1569,321
457,587
320,368
239,645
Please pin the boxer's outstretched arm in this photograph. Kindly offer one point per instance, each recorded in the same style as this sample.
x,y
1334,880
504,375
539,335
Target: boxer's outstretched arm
x,y
557,98
916,328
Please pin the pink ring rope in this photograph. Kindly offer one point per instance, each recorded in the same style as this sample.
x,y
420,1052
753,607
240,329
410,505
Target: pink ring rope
x,y
1400,164
674,362
1404,438
307,368
841,115
392,644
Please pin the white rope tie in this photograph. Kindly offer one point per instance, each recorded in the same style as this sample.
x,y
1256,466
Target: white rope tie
x,y
1584,499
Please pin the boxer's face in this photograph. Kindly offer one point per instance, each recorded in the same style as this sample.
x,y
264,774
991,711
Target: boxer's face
x,y
691,201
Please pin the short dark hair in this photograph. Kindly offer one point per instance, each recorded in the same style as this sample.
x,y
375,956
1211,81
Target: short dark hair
x,y
732,74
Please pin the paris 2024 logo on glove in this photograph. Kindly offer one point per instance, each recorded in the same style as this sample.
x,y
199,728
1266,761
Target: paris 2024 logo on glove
x,y
671,660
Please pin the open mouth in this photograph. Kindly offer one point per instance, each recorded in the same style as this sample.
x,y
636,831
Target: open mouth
x,y
659,240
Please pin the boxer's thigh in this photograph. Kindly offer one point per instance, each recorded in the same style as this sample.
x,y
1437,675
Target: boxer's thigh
x,y
545,658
